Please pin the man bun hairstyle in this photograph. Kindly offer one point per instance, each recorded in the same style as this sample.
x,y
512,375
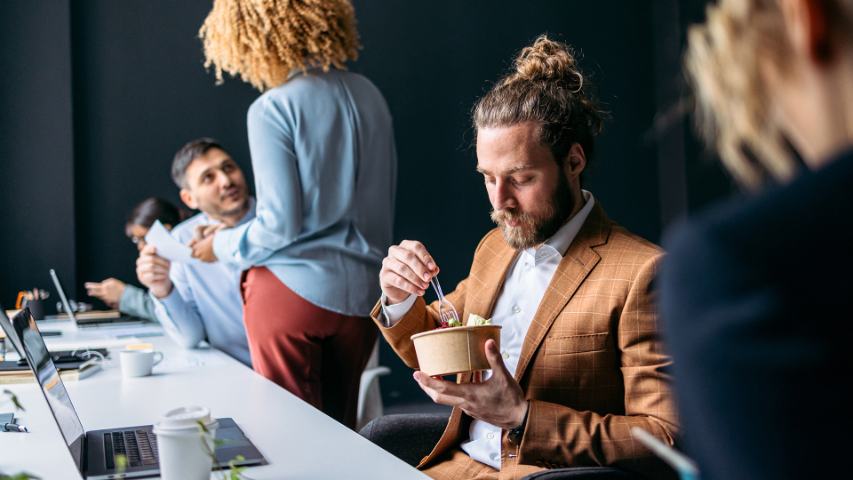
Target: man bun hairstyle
x,y
547,87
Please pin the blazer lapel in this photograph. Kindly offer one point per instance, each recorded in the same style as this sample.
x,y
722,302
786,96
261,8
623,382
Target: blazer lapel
x,y
578,261
492,279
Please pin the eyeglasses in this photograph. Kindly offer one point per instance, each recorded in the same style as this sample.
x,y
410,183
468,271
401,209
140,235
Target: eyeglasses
x,y
137,240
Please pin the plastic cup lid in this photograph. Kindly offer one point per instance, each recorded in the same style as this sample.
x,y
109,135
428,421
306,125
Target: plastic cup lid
x,y
183,419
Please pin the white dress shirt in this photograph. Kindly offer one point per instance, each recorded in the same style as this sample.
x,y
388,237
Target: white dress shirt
x,y
525,285
205,302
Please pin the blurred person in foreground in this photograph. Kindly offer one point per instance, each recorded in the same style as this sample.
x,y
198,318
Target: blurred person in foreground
x,y
756,292
122,296
580,360
324,163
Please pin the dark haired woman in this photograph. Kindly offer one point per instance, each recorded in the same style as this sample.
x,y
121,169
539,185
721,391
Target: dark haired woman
x,y
117,294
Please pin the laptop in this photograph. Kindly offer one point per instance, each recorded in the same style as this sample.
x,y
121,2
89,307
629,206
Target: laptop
x,y
62,359
86,320
94,452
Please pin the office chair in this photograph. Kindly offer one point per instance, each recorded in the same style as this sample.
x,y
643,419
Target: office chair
x,y
369,396
410,437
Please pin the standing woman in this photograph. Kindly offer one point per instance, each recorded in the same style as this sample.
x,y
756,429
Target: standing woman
x,y
324,163
756,293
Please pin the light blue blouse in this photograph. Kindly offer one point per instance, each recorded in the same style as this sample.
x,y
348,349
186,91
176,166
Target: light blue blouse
x,y
135,301
325,168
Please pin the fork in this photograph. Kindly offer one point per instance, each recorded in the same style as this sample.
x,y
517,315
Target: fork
x,y
446,310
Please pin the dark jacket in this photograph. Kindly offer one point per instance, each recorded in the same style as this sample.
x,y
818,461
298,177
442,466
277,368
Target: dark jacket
x,y
757,304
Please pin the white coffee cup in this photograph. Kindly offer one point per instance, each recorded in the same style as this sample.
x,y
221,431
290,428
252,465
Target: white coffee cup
x,y
138,363
186,452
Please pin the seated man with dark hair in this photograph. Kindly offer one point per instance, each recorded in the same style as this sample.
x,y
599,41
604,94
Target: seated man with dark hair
x,y
201,301
580,360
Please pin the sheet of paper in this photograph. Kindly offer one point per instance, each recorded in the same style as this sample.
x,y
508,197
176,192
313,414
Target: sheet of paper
x,y
166,245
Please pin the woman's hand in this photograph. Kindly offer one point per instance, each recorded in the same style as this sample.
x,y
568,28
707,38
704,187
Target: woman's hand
x,y
109,291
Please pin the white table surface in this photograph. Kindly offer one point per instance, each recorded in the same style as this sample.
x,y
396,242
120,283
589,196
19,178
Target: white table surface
x,y
297,440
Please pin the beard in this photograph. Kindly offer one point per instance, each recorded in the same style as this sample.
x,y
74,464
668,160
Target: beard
x,y
223,207
533,229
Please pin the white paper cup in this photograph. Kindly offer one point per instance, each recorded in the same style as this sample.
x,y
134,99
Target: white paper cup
x,y
138,363
185,451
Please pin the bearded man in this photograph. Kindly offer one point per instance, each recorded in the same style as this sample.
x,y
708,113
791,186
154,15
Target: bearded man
x,y
580,361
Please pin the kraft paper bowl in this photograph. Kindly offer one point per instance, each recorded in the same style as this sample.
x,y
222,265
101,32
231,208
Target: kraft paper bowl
x,y
446,351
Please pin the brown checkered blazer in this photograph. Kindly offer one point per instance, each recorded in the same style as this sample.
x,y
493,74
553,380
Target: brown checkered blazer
x,y
592,363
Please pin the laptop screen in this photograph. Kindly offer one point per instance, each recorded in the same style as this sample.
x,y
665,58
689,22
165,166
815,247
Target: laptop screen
x,y
66,305
51,385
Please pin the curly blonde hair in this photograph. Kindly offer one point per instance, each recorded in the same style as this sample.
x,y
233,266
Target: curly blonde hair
x,y
262,41
733,104
546,87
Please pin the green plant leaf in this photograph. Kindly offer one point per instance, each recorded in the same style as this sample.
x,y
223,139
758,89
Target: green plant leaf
x,y
19,476
121,462
233,472
14,399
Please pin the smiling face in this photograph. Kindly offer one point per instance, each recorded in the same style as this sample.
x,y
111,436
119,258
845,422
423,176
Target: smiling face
x,y
215,185
531,195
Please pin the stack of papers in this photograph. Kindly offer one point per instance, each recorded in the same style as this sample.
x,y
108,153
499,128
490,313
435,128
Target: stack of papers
x,y
13,375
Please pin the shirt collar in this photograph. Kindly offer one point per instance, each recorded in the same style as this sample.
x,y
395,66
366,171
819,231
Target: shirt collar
x,y
559,243
308,68
294,72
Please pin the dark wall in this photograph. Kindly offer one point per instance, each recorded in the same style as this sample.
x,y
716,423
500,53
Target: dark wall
x,y
432,60
132,70
36,154
140,92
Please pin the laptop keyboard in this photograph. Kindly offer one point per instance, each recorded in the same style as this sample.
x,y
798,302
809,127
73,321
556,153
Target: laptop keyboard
x,y
138,446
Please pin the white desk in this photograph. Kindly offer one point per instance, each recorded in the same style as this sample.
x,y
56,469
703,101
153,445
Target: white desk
x,y
297,440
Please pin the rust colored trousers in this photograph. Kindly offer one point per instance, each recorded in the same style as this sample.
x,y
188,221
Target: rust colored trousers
x,y
315,354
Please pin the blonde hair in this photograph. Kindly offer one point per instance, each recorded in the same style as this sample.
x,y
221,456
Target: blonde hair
x,y
733,104
546,87
262,41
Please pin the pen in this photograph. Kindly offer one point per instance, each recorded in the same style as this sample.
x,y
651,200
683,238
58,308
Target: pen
x,y
14,427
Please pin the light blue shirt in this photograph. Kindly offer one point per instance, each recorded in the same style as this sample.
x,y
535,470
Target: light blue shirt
x,y
135,301
325,169
205,303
